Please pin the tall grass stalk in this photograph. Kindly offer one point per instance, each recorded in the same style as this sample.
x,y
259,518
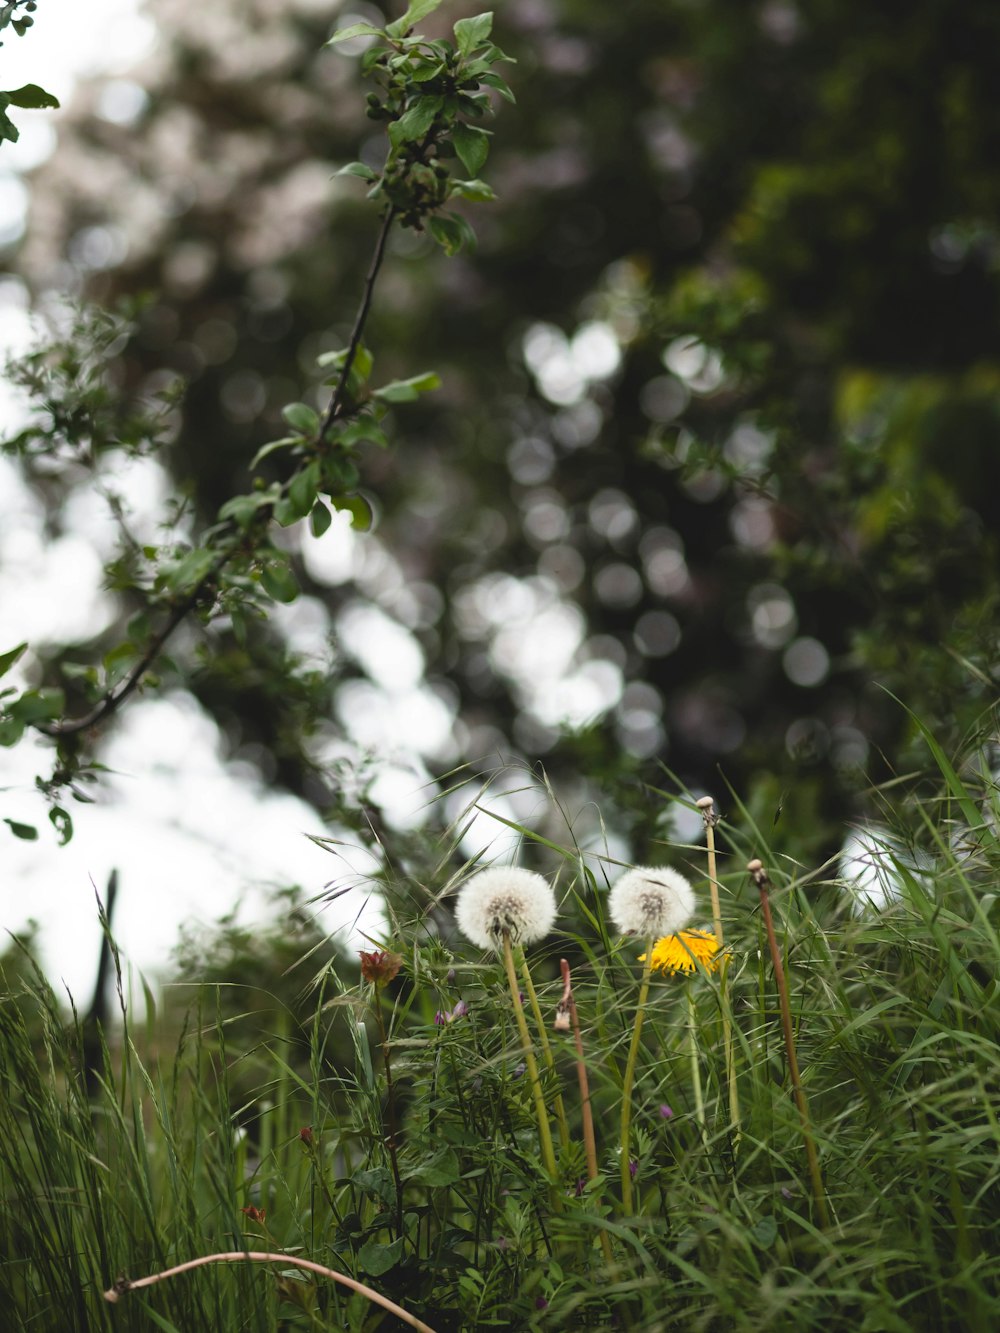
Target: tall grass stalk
x,y
707,807
531,1067
558,1104
760,878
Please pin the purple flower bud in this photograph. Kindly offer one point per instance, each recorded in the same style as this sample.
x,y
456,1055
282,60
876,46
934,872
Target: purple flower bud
x,y
460,1010
451,975
666,1112
786,1193
633,1167
440,1019
541,1303
519,1069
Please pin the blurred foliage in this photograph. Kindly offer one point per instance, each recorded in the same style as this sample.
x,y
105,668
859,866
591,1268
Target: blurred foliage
x,y
715,456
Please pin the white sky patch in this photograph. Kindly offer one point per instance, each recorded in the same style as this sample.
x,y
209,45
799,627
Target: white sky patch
x,y
389,653
187,838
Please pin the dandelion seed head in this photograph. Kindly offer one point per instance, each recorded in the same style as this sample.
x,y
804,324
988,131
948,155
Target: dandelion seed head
x,y
505,898
647,901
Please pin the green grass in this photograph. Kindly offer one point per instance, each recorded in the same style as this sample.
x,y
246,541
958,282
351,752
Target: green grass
x,y
898,1041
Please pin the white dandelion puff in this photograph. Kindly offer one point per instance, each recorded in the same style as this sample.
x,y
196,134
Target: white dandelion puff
x,y
505,898
647,901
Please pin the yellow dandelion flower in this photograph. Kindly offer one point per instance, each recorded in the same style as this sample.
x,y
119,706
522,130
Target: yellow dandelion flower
x,y
685,951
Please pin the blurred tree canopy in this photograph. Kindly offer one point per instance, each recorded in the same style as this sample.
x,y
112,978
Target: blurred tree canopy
x,y
718,448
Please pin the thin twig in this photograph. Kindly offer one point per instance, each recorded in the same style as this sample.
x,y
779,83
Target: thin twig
x,y
337,400
557,1102
261,1257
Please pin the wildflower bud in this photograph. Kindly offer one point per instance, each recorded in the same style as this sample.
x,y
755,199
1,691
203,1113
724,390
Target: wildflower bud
x,y
380,966
460,1010
450,978
646,902
561,1023
306,1134
707,807
666,1112
519,1069
440,1018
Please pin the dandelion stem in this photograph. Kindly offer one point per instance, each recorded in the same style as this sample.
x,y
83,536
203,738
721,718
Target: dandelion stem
x,y
633,1055
544,1132
260,1257
707,807
759,875
568,1005
557,1102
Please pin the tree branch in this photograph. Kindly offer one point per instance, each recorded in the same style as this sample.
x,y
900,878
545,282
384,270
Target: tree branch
x,y
337,401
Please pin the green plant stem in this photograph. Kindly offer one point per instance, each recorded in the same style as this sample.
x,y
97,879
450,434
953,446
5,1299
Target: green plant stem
x,y
707,807
699,1099
557,1101
819,1194
633,1055
390,1094
544,1132
261,1257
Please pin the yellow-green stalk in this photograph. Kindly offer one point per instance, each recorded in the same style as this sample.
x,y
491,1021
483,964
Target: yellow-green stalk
x,y
544,1132
707,807
759,876
557,1102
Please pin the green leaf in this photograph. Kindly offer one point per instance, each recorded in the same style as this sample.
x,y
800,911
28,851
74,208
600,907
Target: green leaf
x,y
405,391
471,32
495,81
376,1258
472,146
452,232
442,1168
377,1181
302,418
8,659
320,518
476,190
8,130
242,509
279,581
765,1232
11,730
357,169
31,97
191,569
62,823
303,489
363,431
38,705
415,121
26,831
417,11
355,30
358,508
265,449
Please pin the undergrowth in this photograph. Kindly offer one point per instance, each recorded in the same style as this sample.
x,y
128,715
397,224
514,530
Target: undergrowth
x,y
421,1175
